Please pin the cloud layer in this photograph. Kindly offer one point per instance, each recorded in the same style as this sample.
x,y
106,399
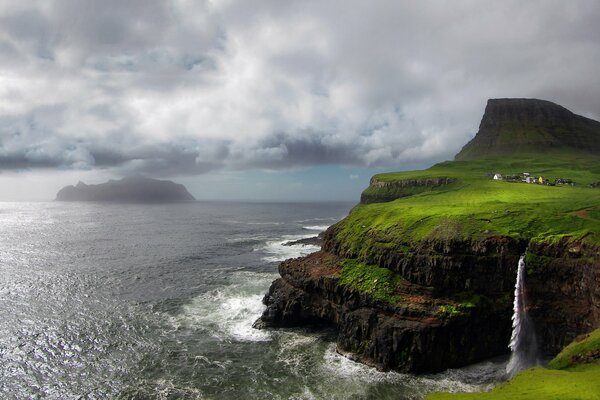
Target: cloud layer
x,y
186,87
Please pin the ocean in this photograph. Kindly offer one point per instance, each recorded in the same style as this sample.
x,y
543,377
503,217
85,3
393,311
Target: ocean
x,y
124,301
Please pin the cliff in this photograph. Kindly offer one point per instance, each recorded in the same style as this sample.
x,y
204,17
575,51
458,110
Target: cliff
x,y
420,275
511,127
129,189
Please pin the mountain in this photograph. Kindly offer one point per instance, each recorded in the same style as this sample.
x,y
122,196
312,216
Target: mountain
x,y
513,127
130,189
420,275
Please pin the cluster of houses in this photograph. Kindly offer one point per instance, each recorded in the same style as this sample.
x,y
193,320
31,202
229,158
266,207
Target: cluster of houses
x,y
525,177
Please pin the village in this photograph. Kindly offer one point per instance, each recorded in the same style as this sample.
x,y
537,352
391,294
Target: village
x,y
526,177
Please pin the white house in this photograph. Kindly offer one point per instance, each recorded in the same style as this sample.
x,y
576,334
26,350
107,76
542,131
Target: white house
x,y
497,177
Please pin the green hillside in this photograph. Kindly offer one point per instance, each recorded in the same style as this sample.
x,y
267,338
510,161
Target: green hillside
x,y
476,206
573,374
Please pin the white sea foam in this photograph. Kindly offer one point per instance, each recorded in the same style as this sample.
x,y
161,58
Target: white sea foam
x,y
342,367
228,312
294,349
318,228
277,250
304,221
453,380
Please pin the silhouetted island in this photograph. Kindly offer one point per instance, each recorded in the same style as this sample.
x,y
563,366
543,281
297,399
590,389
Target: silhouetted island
x,y
130,189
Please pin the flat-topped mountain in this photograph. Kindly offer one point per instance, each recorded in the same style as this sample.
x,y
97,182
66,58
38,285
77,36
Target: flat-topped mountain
x,y
521,127
130,189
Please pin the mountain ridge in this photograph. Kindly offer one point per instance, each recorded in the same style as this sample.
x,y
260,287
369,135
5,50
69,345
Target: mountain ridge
x,y
520,126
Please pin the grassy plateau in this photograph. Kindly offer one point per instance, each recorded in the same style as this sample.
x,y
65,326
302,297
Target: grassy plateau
x,y
475,206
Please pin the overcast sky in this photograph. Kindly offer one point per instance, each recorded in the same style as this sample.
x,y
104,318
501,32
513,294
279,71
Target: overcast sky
x,y
277,99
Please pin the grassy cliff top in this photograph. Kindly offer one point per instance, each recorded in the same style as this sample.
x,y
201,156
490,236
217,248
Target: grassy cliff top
x,y
476,206
573,374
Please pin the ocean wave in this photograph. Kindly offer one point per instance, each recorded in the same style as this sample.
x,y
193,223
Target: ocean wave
x,y
294,350
317,220
228,312
318,228
467,379
277,250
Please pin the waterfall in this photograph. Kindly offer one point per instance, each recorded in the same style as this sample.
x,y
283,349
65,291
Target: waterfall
x,y
523,344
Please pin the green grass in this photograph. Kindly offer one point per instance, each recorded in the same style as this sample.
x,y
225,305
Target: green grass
x,y
476,206
565,378
379,283
569,357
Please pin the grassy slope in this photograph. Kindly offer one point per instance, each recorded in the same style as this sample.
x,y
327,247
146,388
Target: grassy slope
x,y
476,206
563,379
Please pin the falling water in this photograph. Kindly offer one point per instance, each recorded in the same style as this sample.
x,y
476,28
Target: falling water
x,y
523,344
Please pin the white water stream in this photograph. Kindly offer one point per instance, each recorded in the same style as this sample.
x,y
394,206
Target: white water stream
x,y
523,344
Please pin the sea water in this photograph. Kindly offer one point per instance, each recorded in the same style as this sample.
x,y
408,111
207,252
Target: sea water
x,y
104,301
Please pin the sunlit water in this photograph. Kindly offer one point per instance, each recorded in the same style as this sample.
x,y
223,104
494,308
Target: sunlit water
x,y
158,301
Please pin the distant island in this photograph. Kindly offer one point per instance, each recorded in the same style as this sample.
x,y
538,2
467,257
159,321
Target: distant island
x,y
134,189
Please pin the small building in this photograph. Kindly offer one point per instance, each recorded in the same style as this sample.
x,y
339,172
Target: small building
x,y
530,179
497,177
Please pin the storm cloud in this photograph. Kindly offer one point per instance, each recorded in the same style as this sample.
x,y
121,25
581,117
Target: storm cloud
x,y
187,87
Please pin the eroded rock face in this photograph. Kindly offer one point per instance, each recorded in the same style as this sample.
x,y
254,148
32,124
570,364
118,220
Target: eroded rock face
x,y
563,289
562,284
411,335
384,191
485,266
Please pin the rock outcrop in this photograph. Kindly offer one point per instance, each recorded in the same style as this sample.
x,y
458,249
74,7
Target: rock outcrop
x,y
512,127
383,191
563,289
431,327
425,332
129,189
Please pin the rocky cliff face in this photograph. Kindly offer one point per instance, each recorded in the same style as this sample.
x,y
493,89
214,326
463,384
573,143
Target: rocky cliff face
x,y
424,332
432,327
525,126
485,266
383,191
563,289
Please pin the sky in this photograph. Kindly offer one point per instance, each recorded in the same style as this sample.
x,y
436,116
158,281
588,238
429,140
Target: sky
x,y
271,100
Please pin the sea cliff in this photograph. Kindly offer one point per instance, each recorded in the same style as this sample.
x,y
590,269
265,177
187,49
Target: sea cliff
x,y
419,277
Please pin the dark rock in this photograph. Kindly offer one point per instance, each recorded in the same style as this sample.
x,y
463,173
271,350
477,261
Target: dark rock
x,y
409,336
563,289
486,266
384,191
311,241
130,189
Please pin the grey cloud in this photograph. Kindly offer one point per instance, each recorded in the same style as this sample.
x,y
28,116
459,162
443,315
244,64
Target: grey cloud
x,y
193,86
